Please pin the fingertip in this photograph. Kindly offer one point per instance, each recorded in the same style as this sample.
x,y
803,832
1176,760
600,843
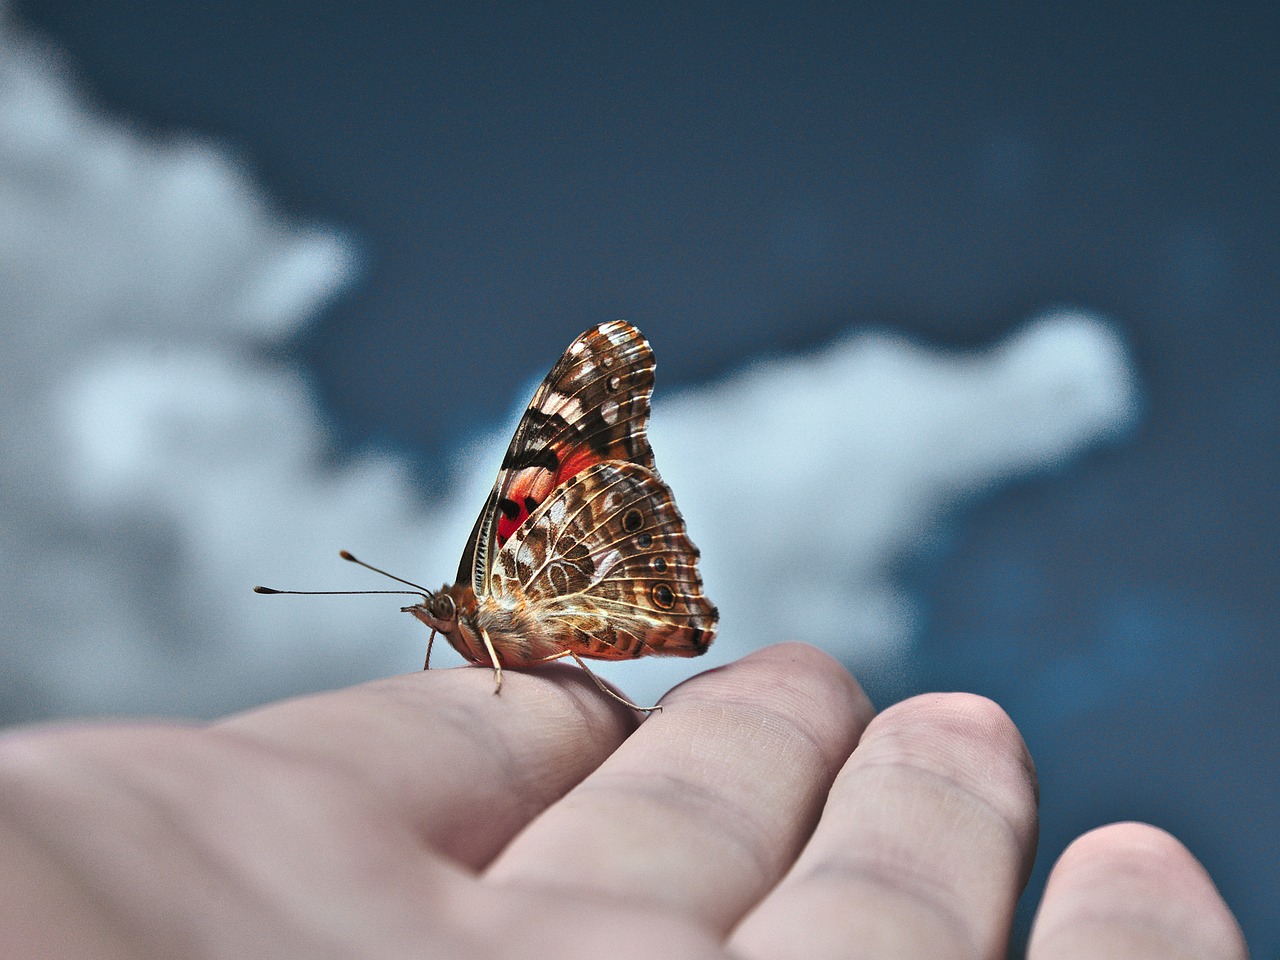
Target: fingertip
x,y
1137,884
970,733
792,665
1128,838
796,680
803,656
968,713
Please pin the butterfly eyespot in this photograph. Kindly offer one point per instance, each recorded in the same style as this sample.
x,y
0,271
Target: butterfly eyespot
x,y
659,564
662,596
606,362
632,521
613,383
644,541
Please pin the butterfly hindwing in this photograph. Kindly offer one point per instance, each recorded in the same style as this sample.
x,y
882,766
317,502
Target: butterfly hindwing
x,y
607,564
593,406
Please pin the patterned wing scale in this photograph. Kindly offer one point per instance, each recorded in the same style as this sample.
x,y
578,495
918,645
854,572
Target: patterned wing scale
x,y
607,565
592,407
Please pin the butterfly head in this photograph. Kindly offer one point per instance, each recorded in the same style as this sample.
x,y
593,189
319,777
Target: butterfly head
x,y
439,611
450,611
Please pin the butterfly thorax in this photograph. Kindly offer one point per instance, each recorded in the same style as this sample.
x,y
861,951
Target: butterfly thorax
x,y
510,622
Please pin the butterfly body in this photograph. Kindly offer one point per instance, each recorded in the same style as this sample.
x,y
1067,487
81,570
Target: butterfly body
x,y
579,550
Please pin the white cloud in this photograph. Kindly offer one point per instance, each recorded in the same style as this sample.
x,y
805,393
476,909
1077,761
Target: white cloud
x,y
151,469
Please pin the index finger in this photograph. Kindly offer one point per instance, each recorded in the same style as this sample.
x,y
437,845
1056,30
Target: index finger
x,y
466,769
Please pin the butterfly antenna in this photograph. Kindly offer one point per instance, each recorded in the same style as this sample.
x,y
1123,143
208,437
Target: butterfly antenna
x,y
341,593
347,555
416,591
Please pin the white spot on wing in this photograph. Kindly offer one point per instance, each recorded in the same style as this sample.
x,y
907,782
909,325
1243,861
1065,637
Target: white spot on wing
x,y
604,565
557,510
567,407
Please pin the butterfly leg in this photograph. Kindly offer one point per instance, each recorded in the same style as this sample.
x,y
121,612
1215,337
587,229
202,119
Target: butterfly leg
x,y
493,658
426,664
600,683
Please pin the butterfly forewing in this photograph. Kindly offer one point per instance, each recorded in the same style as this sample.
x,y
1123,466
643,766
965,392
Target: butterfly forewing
x,y
606,560
593,406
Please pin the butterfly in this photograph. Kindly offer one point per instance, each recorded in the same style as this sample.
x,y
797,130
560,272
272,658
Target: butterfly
x,y
579,550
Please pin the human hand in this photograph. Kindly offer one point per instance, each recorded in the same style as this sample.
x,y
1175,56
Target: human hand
x,y
421,816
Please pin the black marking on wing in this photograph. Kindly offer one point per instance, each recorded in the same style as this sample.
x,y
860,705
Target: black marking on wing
x,y
541,455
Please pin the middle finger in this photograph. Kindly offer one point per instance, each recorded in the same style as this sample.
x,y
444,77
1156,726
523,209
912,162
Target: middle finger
x,y
706,805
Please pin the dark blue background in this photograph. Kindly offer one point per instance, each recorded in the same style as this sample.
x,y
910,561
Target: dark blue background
x,y
739,179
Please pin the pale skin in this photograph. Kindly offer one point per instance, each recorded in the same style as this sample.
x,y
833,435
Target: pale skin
x,y
422,816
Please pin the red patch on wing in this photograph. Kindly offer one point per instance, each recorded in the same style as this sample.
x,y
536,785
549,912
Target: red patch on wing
x,y
508,526
529,487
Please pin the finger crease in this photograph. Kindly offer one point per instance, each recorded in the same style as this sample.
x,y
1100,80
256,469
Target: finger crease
x,y
916,886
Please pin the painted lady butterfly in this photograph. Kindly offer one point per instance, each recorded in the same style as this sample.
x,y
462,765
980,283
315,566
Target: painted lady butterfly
x,y
579,550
